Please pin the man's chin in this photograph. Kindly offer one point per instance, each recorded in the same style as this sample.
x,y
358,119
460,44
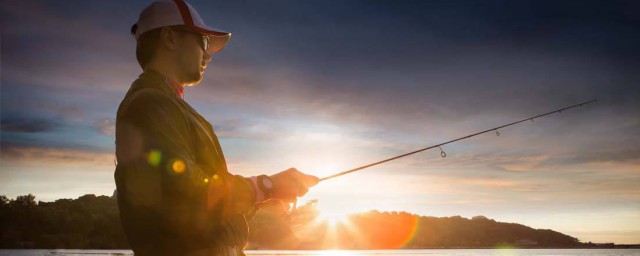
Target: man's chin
x,y
194,79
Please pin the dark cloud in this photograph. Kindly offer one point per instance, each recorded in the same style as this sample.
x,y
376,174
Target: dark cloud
x,y
406,66
40,154
28,125
411,68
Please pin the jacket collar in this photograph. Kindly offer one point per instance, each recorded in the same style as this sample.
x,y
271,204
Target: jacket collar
x,y
158,80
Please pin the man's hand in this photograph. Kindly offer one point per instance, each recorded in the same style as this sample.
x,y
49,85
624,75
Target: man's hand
x,y
291,183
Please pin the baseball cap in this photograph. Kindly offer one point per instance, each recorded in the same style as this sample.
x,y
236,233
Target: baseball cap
x,y
178,12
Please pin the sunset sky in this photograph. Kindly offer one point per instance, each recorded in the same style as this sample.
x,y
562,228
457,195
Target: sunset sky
x,y
326,86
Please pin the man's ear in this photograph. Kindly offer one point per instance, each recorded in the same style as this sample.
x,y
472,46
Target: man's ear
x,y
168,38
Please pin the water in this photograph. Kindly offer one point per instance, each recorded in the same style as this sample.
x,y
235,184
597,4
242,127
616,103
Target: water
x,y
446,252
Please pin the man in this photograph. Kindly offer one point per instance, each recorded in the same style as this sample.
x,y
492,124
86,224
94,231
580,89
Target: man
x,y
175,194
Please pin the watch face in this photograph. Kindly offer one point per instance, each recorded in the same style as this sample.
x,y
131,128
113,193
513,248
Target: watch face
x,y
267,183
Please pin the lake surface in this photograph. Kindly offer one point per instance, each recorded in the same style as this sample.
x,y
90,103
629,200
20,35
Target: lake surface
x,y
452,252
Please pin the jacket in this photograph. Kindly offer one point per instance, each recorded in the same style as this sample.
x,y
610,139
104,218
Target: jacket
x,y
175,194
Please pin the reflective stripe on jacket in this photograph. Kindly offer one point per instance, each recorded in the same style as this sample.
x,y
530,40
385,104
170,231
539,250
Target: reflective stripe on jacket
x,y
175,194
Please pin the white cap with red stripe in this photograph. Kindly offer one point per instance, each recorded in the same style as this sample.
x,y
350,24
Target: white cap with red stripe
x,y
178,12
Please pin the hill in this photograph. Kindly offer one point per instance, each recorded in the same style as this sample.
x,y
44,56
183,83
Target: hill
x,y
92,222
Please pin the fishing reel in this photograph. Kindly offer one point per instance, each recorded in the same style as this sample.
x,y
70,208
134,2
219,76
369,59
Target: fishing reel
x,y
297,216
288,212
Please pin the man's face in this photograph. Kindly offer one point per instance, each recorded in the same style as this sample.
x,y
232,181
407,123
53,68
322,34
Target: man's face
x,y
192,56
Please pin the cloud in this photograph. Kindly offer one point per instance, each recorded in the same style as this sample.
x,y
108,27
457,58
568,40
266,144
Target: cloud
x,y
106,126
619,156
443,103
55,155
495,183
67,111
29,125
77,58
241,128
468,201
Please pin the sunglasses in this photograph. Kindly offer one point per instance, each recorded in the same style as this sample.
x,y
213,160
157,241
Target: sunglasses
x,y
205,39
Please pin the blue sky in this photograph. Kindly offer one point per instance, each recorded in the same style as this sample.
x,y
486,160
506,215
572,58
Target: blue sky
x,y
330,85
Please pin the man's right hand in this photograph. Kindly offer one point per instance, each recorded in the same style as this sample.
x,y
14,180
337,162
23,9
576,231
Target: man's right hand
x,y
291,183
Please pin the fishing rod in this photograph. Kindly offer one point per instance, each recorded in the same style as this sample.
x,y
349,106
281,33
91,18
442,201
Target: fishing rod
x,y
442,153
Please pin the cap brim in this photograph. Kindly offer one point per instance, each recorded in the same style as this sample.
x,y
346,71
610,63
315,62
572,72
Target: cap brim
x,y
217,38
216,43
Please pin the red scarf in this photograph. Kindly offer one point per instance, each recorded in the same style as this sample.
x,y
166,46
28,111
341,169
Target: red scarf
x,y
179,89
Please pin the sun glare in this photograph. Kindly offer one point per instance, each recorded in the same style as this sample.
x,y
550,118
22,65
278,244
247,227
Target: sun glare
x,y
332,217
327,169
334,253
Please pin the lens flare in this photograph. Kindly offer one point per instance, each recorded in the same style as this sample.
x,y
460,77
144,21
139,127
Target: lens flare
x,y
154,157
392,230
178,166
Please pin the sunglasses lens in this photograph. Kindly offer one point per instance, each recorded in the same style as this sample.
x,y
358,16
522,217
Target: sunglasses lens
x,y
205,39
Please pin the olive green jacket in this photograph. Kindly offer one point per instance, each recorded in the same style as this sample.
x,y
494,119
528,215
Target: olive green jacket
x,y
175,194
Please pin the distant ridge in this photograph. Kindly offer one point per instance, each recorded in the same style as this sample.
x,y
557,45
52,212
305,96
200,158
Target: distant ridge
x,y
92,222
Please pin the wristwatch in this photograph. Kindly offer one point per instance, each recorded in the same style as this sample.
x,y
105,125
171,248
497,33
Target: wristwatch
x,y
266,185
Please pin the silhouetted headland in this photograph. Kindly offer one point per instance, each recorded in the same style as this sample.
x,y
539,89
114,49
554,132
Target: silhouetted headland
x,y
92,222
